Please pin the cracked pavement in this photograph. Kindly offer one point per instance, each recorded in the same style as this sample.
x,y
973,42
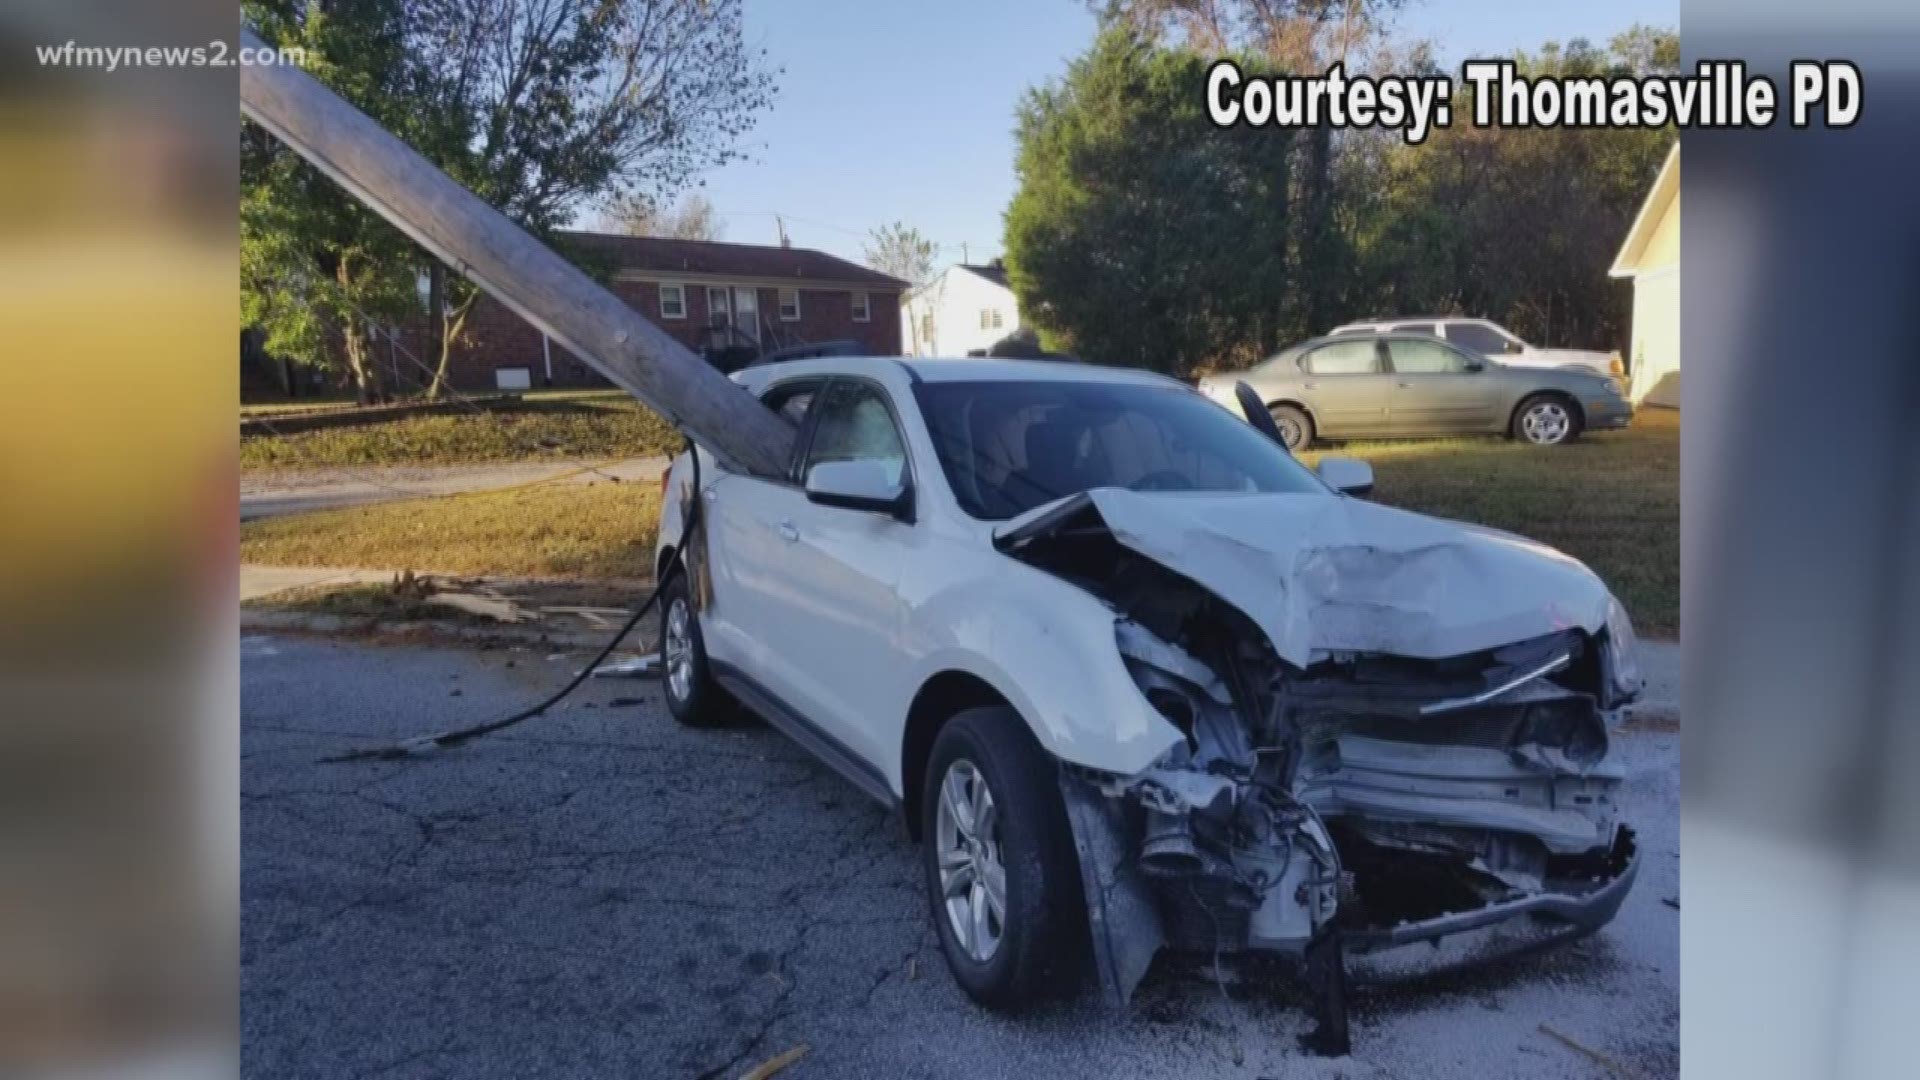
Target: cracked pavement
x,y
600,892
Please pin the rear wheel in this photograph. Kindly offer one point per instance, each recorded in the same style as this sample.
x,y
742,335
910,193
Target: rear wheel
x,y
1296,427
1002,874
1546,420
692,696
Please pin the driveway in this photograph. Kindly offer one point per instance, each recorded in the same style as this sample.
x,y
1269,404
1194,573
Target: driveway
x,y
601,892
280,491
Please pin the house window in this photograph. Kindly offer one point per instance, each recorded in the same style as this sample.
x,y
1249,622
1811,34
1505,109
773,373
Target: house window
x,y
862,308
673,301
990,318
717,306
789,305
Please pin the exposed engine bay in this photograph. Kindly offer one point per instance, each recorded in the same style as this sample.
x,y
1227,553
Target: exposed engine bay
x,y
1356,802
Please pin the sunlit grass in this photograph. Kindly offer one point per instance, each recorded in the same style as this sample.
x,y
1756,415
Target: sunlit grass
x,y
599,530
556,424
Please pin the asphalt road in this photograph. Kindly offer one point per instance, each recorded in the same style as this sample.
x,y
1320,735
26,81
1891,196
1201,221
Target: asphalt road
x,y
603,893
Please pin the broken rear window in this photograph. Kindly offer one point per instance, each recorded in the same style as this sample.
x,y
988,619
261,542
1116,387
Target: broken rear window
x,y
1007,447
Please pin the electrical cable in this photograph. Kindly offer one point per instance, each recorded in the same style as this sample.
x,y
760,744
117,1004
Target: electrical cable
x,y
422,744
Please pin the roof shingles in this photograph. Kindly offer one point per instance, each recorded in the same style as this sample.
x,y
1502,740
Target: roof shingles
x,y
640,254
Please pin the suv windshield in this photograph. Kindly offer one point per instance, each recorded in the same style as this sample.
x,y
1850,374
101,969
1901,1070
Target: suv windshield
x,y
1007,447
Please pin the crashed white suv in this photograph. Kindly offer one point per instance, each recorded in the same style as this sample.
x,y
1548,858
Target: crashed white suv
x,y
1139,679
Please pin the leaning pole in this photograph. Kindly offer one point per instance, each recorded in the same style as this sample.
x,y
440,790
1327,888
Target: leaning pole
x,y
479,242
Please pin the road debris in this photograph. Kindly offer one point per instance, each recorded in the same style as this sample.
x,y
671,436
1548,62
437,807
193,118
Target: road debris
x,y
633,667
775,1064
1595,1056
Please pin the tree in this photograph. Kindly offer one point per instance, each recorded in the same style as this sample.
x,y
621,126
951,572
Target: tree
x,y
319,272
543,106
1303,37
1140,234
693,219
1519,225
902,252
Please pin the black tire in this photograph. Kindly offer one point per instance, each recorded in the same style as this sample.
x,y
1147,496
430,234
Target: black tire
x,y
697,701
1296,427
1546,420
1042,942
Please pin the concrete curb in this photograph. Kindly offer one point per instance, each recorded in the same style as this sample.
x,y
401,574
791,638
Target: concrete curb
x,y
295,622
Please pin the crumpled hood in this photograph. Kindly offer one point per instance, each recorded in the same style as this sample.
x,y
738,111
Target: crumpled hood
x,y
1324,573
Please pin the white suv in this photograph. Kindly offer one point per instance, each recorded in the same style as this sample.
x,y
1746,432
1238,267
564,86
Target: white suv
x,y
1490,339
1137,678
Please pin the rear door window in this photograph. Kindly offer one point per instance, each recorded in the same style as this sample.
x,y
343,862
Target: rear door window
x,y
1414,357
1357,357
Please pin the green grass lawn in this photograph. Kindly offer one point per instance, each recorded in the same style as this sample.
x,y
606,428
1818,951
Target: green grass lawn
x,y
1611,500
557,424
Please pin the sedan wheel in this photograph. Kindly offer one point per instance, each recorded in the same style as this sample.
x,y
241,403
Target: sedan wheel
x,y
1296,431
973,880
1546,422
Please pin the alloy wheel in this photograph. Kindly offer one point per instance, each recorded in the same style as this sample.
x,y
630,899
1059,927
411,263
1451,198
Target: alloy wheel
x,y
1546,423
973,880
677,649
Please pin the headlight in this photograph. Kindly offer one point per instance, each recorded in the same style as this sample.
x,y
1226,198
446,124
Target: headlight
x,y
1625,648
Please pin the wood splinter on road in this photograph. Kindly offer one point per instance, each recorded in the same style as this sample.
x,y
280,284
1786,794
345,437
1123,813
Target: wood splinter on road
x,y
460,229
775,1064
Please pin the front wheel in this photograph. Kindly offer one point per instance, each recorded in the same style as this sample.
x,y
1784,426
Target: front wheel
x,y
1001,869
1546,420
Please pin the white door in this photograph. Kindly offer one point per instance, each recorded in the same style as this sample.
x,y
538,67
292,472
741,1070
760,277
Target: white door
x,y
748,553
838,627
746,312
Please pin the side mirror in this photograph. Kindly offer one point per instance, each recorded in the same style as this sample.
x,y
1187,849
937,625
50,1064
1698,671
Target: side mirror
x,y
1347,476
859,485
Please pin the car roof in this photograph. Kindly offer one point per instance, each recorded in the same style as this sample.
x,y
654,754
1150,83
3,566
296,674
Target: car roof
x,y
1395,335
960,369
1357,323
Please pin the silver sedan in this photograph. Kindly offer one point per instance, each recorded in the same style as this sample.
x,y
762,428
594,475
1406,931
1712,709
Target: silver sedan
x,y
1388,385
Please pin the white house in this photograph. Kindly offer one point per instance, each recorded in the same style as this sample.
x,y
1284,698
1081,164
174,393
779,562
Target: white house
x,y
962,310
1651,257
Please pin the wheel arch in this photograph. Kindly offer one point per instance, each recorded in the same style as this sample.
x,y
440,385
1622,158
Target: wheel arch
x,y
941,697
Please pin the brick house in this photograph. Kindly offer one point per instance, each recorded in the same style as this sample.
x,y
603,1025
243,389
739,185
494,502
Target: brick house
x,y
727,301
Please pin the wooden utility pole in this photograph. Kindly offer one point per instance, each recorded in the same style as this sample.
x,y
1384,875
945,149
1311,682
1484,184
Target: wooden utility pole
x,y
478,241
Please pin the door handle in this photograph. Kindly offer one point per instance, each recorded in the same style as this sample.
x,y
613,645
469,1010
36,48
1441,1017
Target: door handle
x,y
788,532
1406,386
1307,386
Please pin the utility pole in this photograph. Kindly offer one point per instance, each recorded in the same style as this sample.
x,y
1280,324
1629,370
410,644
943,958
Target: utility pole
x,y
478,241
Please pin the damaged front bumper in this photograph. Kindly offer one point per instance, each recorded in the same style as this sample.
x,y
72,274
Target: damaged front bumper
x,y
1369,802
1577,906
